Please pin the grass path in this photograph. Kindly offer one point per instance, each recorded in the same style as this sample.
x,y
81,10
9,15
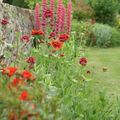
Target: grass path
x,y
108,81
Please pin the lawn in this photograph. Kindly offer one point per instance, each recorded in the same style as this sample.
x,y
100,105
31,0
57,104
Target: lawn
x,y
109,59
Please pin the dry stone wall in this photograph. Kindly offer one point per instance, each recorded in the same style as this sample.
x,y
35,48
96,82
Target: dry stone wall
x,y
19,19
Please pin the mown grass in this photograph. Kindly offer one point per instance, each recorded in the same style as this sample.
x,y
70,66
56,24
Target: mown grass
x,y
109,59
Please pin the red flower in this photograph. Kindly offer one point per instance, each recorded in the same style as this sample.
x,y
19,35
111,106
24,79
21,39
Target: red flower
x,y
37,32
62,55
31,60
16,81
48,13
23,96
56,44
25,38
10,71
26,74
63,37
83,61
4,22
52,35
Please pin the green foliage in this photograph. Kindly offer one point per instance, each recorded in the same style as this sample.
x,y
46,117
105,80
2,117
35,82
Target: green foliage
x,y
105,10
115,39
82,11
81,14
20,3
102,34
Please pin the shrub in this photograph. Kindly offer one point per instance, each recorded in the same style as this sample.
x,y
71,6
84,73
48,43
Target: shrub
x,y
82,11
105,10
115,39
102,34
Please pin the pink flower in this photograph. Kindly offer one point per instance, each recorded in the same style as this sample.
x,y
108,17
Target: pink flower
x,y
63,16
63,37
52,35
59,17
69,16
25,38
44,6
83,61
48,13
37,16
31,60
4,22
52,5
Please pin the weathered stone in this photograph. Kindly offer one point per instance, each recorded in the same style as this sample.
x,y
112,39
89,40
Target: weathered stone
x,y
20,19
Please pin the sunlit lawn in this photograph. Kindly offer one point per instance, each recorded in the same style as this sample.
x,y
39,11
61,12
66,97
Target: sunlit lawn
x,y
108,81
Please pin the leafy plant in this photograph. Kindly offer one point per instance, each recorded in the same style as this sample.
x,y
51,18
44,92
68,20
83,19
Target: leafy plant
x,y
102,34
105,11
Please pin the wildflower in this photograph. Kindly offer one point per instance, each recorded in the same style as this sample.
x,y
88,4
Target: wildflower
x,y
62,55
63,37
69,16
44,6
48,13
52,35
83,61
56,44
10,71
4,22
23,96
31,60
37,16
37,32
59,17
25,38
16,81
52,5
88,71
26,74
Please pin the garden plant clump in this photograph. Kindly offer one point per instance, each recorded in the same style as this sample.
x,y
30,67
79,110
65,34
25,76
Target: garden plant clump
x,y
45,75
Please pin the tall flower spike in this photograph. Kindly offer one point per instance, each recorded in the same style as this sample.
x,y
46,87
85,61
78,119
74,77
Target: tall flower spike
x,y
69,16
37,16
63,12
52,5
44,7
59,17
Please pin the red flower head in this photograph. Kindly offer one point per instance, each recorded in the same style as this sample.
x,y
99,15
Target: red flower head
x,y
4,22
37,32
16,81
83,61
31,60
56,44
23,96
25,38
63,37
10,71
62,55
26,74
52,35
48,13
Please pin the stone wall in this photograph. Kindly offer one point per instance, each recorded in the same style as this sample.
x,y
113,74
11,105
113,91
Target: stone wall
x,y
20,19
